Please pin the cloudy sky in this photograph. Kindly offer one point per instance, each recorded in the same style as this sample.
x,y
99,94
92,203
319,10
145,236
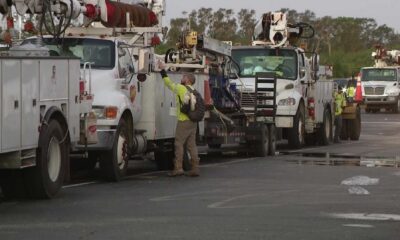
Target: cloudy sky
x,y
383,11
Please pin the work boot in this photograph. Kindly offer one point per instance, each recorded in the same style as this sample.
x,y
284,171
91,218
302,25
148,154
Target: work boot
x,y
175,173
194,172
178,170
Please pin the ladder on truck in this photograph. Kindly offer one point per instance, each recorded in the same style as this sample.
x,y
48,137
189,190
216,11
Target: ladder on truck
x,y
265,96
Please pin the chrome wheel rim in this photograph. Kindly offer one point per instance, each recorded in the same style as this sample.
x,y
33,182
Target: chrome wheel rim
x,y
54,159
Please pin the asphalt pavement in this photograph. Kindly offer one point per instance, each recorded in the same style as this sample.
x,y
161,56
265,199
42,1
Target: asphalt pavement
x,y
349,190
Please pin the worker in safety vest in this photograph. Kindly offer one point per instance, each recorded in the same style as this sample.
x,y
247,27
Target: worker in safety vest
x,y
340,103
351,91
185,129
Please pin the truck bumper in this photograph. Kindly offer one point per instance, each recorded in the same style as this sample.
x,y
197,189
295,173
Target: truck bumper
x,y
106,141
284,121
377,101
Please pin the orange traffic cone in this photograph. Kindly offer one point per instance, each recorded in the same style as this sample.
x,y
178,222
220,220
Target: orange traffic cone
x,y
358,97
207,94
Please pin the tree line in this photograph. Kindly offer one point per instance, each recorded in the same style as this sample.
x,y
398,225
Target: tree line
x,y
344,42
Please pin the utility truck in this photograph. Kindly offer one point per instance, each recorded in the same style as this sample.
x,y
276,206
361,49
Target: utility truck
x,y
380,83
100,70
46,111
226,122
136,113
304,100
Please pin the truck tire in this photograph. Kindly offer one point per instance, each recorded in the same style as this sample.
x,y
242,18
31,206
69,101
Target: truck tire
x,y
262,145
296,135
114,163
325,131
354,127
47,177
272,140
396,107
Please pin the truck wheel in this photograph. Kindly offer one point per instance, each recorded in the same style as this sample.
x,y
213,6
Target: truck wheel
x,y
396,107
164,157
296,135
355,126
114,163
262,146
325,131
272,140
46,178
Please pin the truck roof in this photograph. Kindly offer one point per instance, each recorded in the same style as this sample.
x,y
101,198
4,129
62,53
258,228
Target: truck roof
x,y
387,67
265,47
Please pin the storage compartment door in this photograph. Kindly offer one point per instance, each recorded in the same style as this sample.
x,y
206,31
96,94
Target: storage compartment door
x,y
30,103
11,104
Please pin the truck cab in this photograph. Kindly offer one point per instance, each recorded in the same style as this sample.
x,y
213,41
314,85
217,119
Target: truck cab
x,y
381,88
304,102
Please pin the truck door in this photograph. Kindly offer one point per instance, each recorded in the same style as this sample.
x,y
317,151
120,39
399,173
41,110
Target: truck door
x,y
302,74
130,84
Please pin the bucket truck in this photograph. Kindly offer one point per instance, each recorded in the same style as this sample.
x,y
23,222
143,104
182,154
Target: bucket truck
x,y
304,100
46,109
380,83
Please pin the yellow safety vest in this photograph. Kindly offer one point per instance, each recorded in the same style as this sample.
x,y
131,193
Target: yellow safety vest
x,y
340,103
180,92
351,92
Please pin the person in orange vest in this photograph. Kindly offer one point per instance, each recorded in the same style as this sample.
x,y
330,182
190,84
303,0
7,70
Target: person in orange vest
x,y
340,103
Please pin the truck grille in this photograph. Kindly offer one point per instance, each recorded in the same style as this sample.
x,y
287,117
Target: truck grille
x,y
248,100
374,90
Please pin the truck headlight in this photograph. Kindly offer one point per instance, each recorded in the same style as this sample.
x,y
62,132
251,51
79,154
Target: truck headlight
x,y
392,93
105,112
287,102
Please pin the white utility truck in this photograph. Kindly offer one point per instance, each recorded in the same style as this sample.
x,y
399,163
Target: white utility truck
x,y
118,56
225,122
380,83
136,113
134,110
45,113
304,101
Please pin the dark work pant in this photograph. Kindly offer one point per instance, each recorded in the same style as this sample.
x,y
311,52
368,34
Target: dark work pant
x,y
338,127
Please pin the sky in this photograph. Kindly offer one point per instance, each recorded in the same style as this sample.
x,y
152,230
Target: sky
x,y
383,11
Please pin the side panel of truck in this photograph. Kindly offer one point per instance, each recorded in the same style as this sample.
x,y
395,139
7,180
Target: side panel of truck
x,y
323,96
159,111
73,105
11,100
30,104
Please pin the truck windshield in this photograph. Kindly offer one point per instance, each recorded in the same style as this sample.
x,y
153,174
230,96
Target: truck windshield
x,y
378,74
98,51
251,61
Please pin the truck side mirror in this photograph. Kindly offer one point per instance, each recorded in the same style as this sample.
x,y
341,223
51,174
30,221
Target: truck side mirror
x,y
302,72
144,62
315,66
